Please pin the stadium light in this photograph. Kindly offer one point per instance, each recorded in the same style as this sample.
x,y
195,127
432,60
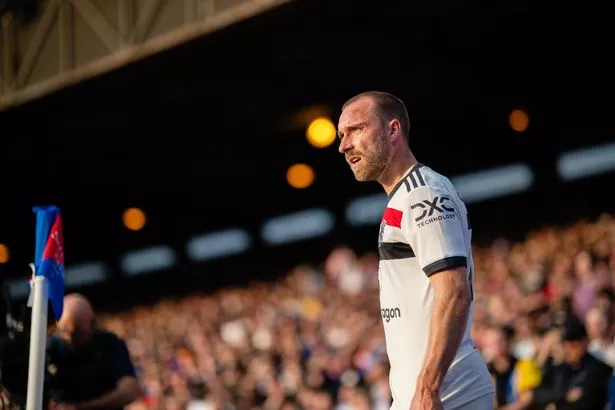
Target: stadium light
x,y
321,132
493,183
134,219
4,253
366,210
297,226
148,260
300,176
586,162
218,244
519,120
75,276
87,273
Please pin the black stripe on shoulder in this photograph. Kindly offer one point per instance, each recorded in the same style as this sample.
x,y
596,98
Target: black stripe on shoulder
x,y
395,250
407,185
446,263
403,180
417,171
414,185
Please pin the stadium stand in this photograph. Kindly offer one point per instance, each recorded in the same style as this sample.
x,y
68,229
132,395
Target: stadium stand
x,y
315,339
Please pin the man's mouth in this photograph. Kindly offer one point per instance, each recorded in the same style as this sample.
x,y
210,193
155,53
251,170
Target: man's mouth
x,y
354,160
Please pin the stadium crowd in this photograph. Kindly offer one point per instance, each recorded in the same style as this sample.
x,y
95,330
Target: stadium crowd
x,y
315,340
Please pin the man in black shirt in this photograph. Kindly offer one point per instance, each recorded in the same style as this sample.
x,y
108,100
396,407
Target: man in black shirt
x,y
501,364
579,383
87,367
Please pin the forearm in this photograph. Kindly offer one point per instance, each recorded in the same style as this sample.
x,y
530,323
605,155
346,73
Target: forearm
x,y
125,393
545,396
448,322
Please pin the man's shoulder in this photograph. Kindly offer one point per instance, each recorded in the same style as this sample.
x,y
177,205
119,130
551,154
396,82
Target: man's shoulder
x,y
108,338
598,365
422,180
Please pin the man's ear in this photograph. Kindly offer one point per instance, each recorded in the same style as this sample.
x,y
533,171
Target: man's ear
x,y
394,128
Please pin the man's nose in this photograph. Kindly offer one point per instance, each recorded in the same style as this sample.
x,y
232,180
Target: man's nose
x,y
345,145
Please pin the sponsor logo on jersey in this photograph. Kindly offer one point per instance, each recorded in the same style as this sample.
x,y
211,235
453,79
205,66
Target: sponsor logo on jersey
x,y
390,313
438,218
436,210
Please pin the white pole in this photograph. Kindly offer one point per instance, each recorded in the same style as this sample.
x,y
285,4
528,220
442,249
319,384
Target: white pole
x,y
38,343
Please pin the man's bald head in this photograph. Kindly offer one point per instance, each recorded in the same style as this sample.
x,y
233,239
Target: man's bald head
x,y
77,309
77,321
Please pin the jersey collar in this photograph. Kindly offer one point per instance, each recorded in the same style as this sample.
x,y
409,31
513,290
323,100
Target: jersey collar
x,y
402,179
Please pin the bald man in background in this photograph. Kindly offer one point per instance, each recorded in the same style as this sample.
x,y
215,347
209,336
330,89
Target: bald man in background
x,y
87,367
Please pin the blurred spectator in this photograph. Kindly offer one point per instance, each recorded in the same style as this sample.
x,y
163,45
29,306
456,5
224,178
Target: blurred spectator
x,y
511,376
599,324
580,382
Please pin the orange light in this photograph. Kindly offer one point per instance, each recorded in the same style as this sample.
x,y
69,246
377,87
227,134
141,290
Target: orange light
x,y
300,176
519,120
4,253
321,132
134,219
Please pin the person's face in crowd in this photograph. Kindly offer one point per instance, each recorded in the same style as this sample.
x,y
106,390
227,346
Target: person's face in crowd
x,y
478,330
377,372
602,273
289,405
583,264
523,327
76,332
495,345
314,378
322,401
360,401
171,403
596,324
574,351
604,303
363,140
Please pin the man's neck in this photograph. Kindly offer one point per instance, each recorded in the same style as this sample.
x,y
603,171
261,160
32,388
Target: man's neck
x,y
501,363
398,166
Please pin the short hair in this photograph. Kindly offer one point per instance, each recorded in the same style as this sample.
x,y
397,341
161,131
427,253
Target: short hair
x,y
388,106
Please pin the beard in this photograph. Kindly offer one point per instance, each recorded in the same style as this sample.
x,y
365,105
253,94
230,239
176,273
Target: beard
x,y
373,162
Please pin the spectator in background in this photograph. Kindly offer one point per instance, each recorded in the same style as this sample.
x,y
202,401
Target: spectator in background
x,y
89,368
599,325
606,300
586,290
501,364
511,375
600,329
579,383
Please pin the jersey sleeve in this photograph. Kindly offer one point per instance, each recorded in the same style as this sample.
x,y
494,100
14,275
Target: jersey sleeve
x,y
434,228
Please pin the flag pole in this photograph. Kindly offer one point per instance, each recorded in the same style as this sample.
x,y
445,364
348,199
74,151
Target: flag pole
x,y
38,342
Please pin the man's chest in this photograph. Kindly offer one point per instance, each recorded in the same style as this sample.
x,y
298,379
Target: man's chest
x,y
81,371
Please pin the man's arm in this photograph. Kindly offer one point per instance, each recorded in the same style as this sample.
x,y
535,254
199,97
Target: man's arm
x,y
126,391
448,323
127,387
436,226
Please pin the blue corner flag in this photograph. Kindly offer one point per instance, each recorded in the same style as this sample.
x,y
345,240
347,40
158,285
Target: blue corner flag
x,y
49,254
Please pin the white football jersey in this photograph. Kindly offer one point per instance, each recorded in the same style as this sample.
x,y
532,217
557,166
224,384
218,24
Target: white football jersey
x,y
425,229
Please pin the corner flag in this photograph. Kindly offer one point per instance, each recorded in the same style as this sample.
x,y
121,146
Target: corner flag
x,y
47,282
49,254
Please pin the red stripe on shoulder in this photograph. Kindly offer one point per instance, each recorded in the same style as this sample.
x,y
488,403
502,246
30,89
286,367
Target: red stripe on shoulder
x,y
392,217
